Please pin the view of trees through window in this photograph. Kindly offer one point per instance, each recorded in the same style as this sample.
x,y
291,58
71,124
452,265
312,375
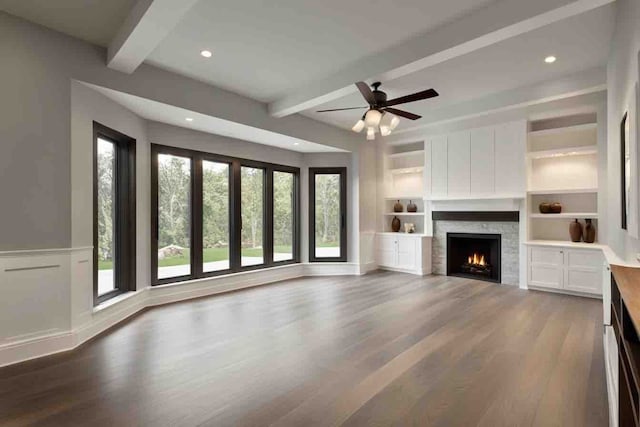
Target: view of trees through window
x,y
106,163
174,216
327,215
252,205
283,215
215,216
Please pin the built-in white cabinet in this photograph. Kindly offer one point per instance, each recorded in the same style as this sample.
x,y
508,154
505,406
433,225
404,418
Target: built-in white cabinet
x,y
565,268
409,253
480,162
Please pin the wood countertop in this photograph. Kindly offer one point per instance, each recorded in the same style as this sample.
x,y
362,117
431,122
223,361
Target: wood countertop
x,y
628,280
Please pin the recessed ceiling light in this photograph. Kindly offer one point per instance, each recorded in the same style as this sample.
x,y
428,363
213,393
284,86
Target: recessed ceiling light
x,y
296,143
550,59
206,53
189,119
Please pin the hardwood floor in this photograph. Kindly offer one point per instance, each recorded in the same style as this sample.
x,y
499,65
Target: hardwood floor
x,y
382,349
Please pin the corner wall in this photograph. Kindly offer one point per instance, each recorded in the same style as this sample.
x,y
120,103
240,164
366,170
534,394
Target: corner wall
x,y
622,73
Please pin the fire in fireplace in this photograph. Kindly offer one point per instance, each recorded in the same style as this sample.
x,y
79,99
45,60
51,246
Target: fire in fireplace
x,y
474,256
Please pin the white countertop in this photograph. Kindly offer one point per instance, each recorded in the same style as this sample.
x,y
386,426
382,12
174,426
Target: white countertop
x,y
609,254
402,233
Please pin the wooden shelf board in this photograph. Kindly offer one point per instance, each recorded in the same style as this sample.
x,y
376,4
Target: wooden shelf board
x,y
416,169
565,129
565,151
564,191
565,215
407,154
404,213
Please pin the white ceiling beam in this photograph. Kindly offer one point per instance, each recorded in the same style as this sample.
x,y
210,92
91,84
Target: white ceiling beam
x,y
146,26
495,23
581,83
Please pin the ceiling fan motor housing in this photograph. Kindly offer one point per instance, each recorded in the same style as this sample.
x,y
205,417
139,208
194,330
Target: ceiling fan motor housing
x,y
379,96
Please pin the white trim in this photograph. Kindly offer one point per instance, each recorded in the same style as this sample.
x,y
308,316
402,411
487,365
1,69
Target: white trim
x,y
612,388
37,252
101,318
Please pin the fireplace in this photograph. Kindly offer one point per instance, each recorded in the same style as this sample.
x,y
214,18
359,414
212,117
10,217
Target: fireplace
x,y
474,256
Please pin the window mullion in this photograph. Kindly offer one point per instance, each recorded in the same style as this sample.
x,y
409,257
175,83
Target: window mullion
x,y
236,217
196,218
268,217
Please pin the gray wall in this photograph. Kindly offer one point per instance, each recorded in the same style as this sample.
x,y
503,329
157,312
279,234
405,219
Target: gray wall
x,y
38,66
622,73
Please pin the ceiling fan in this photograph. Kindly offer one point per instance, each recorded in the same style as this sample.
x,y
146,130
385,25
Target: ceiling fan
x,y
380,115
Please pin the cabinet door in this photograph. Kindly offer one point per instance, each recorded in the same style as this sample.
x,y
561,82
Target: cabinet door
x,y
407,252
510,140
482,162
458,164
546,267
386,251
439,166
583,271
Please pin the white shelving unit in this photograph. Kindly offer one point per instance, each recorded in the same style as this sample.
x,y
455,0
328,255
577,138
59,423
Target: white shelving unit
x,y
562,166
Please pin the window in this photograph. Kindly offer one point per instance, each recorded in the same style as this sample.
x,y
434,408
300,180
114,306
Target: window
x,y
114,213
327,214
216,237
215,214
252,208
284,218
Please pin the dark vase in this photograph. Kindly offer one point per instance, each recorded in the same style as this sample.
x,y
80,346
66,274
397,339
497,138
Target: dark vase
x,y
589,233
412,207
398,206
575,230
556,207
395,224
544,207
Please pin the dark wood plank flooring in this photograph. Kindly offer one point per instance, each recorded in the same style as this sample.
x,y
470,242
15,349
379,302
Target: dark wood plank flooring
x,y
382,349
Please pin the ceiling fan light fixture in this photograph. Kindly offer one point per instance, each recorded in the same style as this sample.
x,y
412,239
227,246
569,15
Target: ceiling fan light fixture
x,y
358,126
395,121
371,133
385,124
372,118
385,130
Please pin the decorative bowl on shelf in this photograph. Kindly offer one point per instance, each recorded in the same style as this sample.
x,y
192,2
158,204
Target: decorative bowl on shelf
x,y
556,208
544,207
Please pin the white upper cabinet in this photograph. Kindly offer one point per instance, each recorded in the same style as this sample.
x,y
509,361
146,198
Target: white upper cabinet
x,y
482,151
458,165
438,162
482,162
510,158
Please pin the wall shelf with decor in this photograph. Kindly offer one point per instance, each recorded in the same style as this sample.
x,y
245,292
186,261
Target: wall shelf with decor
x,y
562,174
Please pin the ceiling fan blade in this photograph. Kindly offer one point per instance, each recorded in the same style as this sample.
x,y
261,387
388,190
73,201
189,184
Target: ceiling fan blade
x,y
418,96
402,113
340,109
365,90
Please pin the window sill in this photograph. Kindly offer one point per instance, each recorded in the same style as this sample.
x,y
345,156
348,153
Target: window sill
x,y
227,276
113,301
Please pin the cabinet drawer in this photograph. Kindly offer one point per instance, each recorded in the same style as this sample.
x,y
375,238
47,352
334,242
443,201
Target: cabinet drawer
x,y
546,256
545,276
590,260
584,281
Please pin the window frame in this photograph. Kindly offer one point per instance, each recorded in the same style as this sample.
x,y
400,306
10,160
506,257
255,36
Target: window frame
x,y
124,261
235,213
342,171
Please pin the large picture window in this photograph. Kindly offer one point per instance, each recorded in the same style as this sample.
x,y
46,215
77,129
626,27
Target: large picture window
x,y
114,213
215,214
327,214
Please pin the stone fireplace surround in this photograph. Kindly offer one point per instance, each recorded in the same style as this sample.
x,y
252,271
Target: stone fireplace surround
x,y
508,229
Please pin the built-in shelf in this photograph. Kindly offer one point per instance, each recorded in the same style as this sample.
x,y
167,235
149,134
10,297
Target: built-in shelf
x,y
564,244
404,197
565,215
564,191
470,198
395,233
414,153
404,213
565,151
565,129
415,169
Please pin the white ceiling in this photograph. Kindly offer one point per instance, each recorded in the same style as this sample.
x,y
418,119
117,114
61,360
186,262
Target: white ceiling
x,y
95,21
580,43
176,116
262,49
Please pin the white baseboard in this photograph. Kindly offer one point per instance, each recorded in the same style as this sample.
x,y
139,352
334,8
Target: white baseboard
x,y
89,323
611,374
404,270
